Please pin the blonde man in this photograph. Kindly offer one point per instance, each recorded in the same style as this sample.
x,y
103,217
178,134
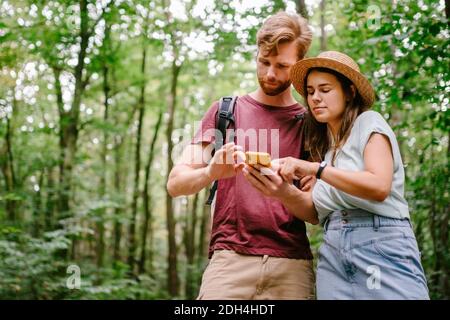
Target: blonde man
x,y
258,248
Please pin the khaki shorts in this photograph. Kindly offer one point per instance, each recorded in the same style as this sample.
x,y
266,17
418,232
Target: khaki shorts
x,y
233,276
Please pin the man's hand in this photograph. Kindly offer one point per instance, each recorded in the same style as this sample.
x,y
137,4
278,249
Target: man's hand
x,y
269,182
223,165
266,180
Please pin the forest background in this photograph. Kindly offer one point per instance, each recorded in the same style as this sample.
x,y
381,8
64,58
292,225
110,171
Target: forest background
x,y
96,98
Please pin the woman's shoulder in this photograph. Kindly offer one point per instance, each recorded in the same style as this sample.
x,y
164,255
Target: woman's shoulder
x,y
370,115
369,120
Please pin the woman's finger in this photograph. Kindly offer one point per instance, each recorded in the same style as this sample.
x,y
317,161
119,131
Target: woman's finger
x,y
304,180
306,187
307,183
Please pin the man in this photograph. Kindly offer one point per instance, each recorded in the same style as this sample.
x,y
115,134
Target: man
x,y
258,248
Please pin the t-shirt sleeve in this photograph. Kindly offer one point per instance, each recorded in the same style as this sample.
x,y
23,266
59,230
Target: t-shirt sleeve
x,y
373,122
206,131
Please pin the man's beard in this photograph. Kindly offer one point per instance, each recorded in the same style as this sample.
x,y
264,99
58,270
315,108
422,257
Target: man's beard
x,y
273,91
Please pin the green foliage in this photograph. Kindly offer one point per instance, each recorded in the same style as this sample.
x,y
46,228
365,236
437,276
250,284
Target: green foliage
x,y
402,46
28,268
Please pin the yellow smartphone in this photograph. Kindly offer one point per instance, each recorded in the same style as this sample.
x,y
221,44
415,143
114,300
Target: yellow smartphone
x,y
262,158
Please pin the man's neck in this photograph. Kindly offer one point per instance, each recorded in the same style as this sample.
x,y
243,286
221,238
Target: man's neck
x,y
283,99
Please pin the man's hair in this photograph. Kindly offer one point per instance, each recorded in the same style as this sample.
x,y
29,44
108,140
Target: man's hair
x,y
282,28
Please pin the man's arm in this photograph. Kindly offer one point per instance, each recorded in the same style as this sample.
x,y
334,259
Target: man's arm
x,y
189,175
193,173
186,180
300,204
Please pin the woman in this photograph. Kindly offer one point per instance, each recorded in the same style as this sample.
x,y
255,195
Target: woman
x,y
369,249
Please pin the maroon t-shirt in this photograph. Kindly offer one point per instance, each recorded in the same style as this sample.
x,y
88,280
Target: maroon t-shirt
x,y
245,220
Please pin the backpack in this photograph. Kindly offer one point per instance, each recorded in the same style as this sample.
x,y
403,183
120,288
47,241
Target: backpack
x,y
225,117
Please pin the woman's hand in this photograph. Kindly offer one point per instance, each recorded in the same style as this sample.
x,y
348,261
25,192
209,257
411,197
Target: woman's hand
x,y
296,169
307,183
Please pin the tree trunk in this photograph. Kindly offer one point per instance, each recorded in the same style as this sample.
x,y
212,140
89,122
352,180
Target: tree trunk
x,y
118,142
191,223
173,281
6,164
439,222
203,237
193,228
117,211
68,124
137,168
120,175
37,207
323,34
147,198
443,239
447,11
444,226
445,287
69,119
434,217
102,212
301,8
50,199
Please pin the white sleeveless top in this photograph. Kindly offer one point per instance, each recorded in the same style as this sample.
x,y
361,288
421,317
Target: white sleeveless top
x,y
350,157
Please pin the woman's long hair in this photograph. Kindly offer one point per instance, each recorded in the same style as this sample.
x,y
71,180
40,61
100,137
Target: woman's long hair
x,y
318,138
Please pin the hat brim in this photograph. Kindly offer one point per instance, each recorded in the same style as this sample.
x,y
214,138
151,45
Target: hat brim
x,y
300,70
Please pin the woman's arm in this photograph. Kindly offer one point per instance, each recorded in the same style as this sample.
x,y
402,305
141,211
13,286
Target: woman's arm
x,y
298,202
374,183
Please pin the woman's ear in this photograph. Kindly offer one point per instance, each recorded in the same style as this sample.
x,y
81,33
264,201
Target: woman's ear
x,y
353,88
353,92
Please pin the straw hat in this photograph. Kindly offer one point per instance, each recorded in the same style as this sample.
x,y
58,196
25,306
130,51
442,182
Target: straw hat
x,y
336,61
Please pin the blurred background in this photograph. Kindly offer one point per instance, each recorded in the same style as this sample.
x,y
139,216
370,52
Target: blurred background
x,y
98,97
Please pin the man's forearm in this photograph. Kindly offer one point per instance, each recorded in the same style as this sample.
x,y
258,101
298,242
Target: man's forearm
x,y
186,181
300,204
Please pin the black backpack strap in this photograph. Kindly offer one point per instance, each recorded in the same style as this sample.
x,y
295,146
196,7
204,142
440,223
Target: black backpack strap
x,y
225,116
